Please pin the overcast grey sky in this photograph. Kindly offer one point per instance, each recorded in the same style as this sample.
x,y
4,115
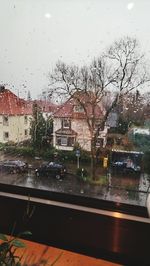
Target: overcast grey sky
x,y
34,34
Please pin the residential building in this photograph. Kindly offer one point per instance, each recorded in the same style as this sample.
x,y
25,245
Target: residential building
x,y
15,117
71,127
47,107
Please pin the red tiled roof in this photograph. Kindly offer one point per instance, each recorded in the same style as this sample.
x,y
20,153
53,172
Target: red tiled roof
x,y
46,106
10,104
67,110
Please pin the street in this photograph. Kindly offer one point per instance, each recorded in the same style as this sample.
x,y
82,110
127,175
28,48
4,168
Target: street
x,y
125,189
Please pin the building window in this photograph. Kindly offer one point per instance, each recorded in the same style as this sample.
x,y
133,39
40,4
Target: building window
x,y
26,132
65,141
100,142
25,119
99,126
66,123
78,109
5,120
6,135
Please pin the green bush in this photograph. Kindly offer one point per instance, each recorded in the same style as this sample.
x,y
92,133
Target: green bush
x,y
10,149
82,174
69,156
2,146
85,156
25,151
21,151
48,154
142,142
8,249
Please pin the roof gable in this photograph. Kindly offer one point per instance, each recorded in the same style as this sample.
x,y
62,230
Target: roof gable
x,y
67,110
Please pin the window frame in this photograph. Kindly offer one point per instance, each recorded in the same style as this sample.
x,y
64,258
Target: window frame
x,y
5,120
67,121
25,120
26,132
4,135
64,141
78,109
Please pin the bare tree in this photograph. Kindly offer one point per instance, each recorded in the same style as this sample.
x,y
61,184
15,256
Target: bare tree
x,y
133,109
119,70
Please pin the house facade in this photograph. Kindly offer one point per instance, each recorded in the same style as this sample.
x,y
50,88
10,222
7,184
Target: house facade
x,y
71,127
15,117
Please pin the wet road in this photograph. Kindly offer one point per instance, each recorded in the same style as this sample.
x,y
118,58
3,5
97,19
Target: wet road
x,y
126,189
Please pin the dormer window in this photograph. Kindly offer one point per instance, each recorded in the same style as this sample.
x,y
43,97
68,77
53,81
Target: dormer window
x,y
66,123
78,109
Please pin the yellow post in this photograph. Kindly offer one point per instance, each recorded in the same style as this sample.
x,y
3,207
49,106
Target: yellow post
x,y
105,162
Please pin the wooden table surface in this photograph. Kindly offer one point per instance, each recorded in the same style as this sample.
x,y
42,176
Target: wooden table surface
x,y
39,255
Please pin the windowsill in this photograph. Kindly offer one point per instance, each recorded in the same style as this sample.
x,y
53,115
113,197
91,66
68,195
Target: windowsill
x,y
36,253
63,147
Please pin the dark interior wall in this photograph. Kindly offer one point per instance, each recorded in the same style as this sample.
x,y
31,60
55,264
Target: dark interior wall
x,y
102,236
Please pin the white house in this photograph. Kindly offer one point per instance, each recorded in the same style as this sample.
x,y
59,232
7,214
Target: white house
x,y
70,126
15,116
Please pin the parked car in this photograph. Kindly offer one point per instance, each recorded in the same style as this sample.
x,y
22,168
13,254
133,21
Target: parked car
x,y
53,169
13,166
123,161
125,166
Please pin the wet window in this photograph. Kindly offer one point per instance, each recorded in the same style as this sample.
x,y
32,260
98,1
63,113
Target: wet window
x,y
6,136
25,119
5,121
75,90
78,108
63,140
66,123
26,132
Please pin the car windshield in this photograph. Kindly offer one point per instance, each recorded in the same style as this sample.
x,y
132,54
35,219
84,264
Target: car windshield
x,y
75,94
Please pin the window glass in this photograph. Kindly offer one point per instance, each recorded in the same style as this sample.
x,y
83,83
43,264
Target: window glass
x,y
66,123
5,120
63,140
25,119
78,108
75,90
6,136
26,132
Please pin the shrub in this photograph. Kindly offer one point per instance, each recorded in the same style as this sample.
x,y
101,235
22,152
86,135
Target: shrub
x,y
25,151
82,174
48,154
85,156
17,150
8,249
66,155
